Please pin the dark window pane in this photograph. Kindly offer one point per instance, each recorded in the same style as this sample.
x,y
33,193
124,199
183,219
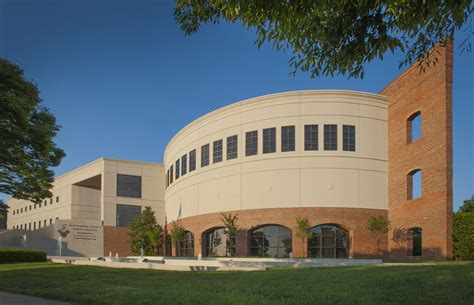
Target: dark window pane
x,y
176,167
217,151
269,140
205,155
288,138
231,147
171,174
330,137
271,241
311,137
186,246
126,214
184,165
192,160
328,241
251,143
129,186
348,138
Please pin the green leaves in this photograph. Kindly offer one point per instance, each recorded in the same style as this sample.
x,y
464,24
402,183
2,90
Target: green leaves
x,y
145,232
3,208
177,231
378,225
230,224
328,37
303,228
27,129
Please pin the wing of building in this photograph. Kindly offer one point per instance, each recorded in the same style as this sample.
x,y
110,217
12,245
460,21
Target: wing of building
x,y
336,157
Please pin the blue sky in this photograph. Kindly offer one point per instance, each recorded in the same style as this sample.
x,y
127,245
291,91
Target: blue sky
x,y
122,78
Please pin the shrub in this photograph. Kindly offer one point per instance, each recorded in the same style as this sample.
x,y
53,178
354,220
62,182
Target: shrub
x,y
21,256
463,235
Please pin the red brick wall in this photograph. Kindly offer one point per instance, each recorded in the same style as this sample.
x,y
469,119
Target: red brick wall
x,y
116,239
431,94
354,220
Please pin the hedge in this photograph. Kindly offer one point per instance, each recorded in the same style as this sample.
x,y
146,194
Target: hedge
x,y
463,235
21,255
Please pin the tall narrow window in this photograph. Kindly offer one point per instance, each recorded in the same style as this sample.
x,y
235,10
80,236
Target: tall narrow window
x,y
184,165
176,168
232,147
288,138
414,187
414,127
192,160
251,143
310,137
205,155
348,138
330,137
171,174
167,178
217,151
269,140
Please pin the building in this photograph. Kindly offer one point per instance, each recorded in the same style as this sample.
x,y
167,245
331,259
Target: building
x,y
335,157
105,193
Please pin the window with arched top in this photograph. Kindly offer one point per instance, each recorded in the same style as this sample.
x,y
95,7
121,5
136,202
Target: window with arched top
x,y
415,241
328,241
218,244
185,247
271,241
414,127
414,185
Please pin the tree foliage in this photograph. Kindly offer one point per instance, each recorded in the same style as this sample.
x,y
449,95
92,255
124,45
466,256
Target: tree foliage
x,y
147,233
177,234
303,230
463,235
230,224
3,208
468,205
379,226
326,37
230,230
27,129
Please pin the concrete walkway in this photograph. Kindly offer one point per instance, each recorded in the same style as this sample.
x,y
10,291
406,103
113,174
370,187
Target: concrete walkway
x,y
7,298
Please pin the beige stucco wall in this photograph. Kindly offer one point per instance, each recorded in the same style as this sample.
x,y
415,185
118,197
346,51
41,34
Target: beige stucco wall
x,y
82,203
284,179
153,188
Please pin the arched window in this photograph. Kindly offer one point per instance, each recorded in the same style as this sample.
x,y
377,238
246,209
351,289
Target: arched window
x,y
415,242
414,127
328,241
217,243
271,241
414,187
186,246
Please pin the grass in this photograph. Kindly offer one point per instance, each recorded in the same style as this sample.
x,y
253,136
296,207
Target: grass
x,y
442,283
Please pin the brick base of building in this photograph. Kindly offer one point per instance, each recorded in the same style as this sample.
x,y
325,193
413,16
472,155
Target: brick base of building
x,y
363,244
116,240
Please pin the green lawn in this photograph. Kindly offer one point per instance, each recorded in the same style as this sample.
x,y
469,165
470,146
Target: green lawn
x,y
443,283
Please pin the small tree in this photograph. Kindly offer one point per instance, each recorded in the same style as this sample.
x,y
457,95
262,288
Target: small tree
x,y
145,232
378,226
303,231
177,234
230,230
3,208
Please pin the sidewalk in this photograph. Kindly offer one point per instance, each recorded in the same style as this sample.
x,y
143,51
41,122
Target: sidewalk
x,y
7,298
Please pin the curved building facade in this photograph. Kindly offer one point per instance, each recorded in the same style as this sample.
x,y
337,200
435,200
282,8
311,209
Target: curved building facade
x,y
272,159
